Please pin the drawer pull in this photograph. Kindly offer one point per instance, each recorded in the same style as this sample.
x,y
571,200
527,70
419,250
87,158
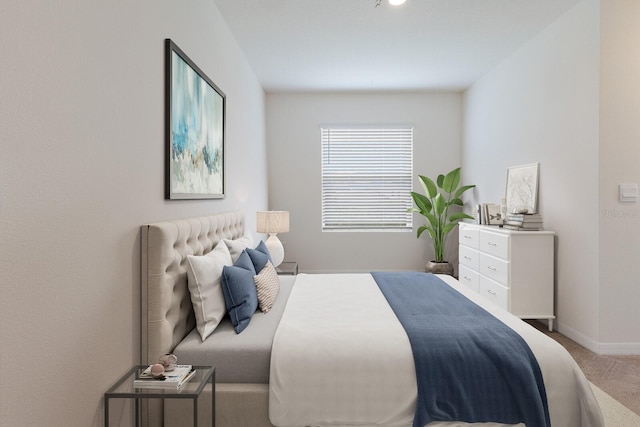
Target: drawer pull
x,y
468,279
467,258
492,244
491,292
467,236
491,268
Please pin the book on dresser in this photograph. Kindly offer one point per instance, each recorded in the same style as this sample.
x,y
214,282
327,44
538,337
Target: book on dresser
x,y
175,379
525,222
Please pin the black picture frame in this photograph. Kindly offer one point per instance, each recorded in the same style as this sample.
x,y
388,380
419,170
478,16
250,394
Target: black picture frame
x,y
194,130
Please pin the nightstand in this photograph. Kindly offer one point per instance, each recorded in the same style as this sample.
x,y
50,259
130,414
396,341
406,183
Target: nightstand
x,y
290,268
124,389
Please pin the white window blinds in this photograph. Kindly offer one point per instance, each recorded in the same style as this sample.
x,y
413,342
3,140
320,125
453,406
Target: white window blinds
x,y
367,178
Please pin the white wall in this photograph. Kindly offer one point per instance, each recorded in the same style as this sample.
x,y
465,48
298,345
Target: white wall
x,y
81,132
619,162
541,105
293,141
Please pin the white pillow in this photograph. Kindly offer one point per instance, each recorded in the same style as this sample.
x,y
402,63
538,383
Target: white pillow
x,y
204,275
268,286
236,246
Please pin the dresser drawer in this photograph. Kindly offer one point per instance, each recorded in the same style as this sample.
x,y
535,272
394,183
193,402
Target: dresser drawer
x,y
495,244
495,268
469,237
469,257
494,292
469,277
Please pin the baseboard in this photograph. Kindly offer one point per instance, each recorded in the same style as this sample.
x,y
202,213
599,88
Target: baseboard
x,y
609,349
620,349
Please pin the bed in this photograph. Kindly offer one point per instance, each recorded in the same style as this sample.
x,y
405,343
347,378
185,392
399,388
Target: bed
x,y
253,387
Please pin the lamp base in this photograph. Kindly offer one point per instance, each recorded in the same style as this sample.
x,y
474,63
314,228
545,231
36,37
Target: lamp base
x,y
276,250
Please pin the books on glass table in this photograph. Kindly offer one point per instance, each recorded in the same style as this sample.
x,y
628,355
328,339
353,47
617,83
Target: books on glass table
x,y
171,380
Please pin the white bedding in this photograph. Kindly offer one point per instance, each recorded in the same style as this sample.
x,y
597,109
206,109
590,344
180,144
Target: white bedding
x,y
340,357
313,373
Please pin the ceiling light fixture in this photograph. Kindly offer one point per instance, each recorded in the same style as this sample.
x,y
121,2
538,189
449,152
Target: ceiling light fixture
x,y
391,2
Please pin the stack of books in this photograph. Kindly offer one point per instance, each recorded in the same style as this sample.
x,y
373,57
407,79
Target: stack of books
x,y
174,379
523,222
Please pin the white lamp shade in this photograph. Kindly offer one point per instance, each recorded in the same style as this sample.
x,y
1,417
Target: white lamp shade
x,y
272,222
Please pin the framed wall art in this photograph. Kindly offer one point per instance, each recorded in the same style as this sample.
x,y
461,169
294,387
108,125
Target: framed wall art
x,y
194,129
522,188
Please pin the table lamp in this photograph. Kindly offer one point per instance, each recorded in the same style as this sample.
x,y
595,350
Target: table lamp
x,y
273,222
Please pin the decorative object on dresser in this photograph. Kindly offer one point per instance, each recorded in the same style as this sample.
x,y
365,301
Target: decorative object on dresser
x,y
194,130
434,206
524,222
490,214
514,269
522,188
272,223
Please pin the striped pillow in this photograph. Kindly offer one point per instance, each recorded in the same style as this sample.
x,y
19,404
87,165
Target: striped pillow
x,y
268,286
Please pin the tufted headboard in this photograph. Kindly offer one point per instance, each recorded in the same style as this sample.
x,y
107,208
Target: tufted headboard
x,y
166,311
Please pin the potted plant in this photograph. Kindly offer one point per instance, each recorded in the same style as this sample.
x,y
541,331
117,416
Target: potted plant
x,y
434,206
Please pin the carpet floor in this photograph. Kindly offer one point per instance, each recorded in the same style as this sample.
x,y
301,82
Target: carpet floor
x,y
615,414
616,376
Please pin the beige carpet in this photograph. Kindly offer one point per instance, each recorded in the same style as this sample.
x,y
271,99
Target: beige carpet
x,y
615,414
616,379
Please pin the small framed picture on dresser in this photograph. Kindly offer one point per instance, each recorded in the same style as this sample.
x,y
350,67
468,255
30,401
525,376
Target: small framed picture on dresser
x,y
493,214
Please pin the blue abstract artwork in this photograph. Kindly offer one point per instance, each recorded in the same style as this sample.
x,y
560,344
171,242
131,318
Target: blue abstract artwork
x,y
196,134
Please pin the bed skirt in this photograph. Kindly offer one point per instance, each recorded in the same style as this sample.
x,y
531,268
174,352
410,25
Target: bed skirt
x,y
236,405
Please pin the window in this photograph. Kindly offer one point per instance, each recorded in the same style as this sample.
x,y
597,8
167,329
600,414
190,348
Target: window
x,y
367,178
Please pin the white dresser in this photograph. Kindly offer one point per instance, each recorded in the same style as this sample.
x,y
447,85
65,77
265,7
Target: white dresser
x,y
514,269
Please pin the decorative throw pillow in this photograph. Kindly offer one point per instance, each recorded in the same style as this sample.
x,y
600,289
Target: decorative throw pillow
x,y
204,274
236,246
262,247
267,286
239,291
258,258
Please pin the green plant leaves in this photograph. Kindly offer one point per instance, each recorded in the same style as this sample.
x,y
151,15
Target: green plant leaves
x,y
434,206
428,186
458,216
448,228
451,181
462,190
421,201
439,204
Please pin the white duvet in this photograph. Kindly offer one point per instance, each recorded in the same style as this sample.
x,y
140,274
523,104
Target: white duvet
x,y
340,357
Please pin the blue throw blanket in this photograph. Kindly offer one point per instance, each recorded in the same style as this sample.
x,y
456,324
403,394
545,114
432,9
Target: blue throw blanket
x,y
469,365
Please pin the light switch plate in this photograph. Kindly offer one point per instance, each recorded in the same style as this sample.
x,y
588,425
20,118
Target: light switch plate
x,y
628,192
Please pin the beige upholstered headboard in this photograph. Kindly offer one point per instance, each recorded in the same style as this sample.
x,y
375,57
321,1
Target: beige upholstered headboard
x,y
166,311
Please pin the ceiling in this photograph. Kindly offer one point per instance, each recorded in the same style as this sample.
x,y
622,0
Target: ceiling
x,y
354,45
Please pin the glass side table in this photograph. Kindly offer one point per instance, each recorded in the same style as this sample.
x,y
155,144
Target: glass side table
x,y
289,267
124,389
